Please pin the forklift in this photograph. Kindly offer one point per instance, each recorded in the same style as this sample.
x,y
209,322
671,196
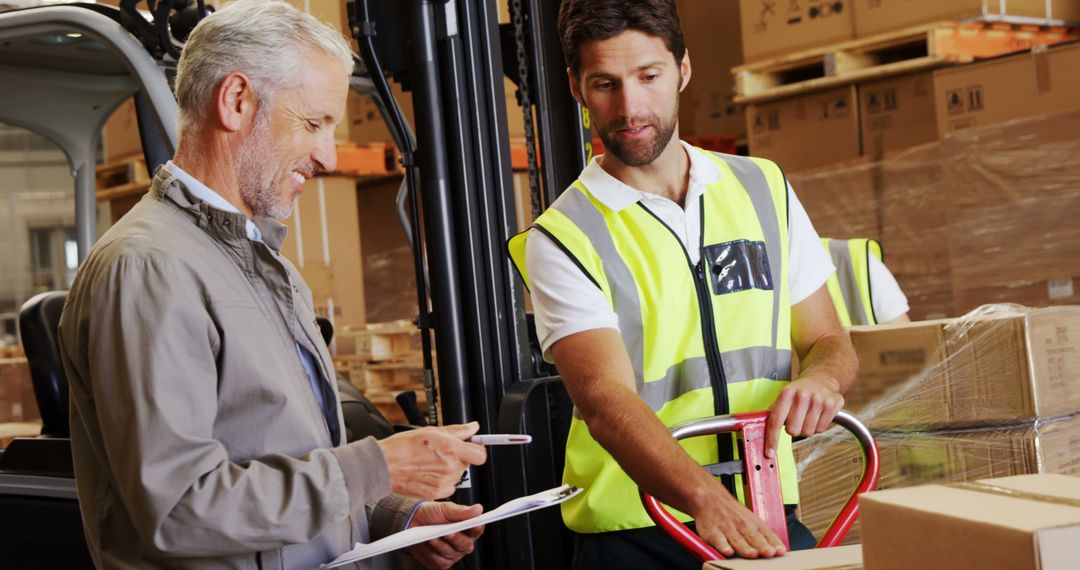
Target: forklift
x,y
71,65
67,67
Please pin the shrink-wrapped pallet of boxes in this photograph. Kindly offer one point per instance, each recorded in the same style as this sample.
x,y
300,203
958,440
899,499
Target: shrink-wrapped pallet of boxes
x,y
984,215
990,394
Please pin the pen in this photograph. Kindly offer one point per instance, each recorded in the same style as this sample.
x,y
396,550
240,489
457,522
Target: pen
x,y
501,439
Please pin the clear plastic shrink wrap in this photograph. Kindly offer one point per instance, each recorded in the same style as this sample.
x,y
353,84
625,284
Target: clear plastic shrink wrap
x,y
993,393
985,215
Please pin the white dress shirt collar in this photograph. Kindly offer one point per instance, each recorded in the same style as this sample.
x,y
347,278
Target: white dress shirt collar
x,y
212,198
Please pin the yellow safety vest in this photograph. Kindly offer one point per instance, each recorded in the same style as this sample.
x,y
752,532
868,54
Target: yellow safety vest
x,y
849,287
703,340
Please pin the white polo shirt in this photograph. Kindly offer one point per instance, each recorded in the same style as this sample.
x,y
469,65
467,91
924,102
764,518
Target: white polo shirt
x,y
888,300
565,301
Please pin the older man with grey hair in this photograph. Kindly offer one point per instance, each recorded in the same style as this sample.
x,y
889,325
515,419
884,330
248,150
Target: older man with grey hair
x,y
206,430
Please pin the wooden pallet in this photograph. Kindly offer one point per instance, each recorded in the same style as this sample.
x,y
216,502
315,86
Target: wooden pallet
x,y
385,341
893,53
122,178
368,159
401,374
12,430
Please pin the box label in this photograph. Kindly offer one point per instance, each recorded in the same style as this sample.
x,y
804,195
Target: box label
x,y
1059,288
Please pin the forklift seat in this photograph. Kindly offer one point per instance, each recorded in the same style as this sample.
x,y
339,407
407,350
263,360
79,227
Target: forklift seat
x,y
41,526
39,319
542,408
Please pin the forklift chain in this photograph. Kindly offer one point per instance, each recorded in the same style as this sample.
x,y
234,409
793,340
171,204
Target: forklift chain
x,y
517,16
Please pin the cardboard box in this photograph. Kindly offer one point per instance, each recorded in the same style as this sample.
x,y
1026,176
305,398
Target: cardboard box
x,y
841,204
1003,367
906,111
17,400
1020,523
897,113
915,213
389,274
900,362
910,110
515,117
120,135
839,558
366,123
831,466
1034,271
807,131
1007,88
707,105
771,28
323,243
980,216
877,16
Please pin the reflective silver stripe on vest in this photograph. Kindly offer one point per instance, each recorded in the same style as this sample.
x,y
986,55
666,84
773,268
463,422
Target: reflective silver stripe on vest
x,y
753,180
579,209
693,373
840,252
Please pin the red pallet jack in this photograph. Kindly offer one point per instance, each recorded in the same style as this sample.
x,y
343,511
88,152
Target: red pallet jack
x,y
762,480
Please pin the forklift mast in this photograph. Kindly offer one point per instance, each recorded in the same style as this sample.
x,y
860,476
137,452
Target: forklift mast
x,y
453,60
451,54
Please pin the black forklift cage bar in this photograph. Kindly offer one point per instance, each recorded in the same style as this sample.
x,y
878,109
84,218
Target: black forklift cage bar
x,y
467,203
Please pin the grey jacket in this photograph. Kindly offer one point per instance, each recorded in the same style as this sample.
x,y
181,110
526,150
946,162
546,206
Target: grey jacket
x,y
197,438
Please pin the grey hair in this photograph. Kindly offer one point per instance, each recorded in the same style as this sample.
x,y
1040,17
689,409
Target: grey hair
x,y
265,40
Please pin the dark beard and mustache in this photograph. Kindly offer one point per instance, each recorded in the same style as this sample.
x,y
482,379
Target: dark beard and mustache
x,y
639,153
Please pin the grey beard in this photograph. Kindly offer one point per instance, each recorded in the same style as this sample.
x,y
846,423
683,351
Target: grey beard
x,y
255,180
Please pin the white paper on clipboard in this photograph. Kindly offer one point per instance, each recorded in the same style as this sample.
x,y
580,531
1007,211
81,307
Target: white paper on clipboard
x,y
420,534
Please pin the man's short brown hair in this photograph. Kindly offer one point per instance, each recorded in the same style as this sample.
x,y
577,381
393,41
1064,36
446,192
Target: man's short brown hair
x,y
581,21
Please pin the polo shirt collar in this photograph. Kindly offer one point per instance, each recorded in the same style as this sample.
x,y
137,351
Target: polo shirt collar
x,y
616,195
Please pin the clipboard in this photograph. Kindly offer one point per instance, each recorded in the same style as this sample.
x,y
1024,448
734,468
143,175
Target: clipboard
x,y
418,534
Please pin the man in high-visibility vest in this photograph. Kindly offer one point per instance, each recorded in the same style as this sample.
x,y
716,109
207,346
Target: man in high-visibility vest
x,y
863,290
670,283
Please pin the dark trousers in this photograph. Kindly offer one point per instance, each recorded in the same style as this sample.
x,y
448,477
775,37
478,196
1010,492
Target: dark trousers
x,y
650,547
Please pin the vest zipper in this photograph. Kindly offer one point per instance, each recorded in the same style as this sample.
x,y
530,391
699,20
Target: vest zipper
x,y
708,326
721,404
725,445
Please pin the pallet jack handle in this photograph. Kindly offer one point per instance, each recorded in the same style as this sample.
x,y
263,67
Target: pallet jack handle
x,y
763,480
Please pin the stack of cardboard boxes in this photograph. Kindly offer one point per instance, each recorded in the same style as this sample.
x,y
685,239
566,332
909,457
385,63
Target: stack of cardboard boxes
x,y
907,111
18,407
930,161
983,216
836,119
992,394
713,39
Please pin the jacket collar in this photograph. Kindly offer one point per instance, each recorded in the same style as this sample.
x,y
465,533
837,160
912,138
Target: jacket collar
x,y
220,220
